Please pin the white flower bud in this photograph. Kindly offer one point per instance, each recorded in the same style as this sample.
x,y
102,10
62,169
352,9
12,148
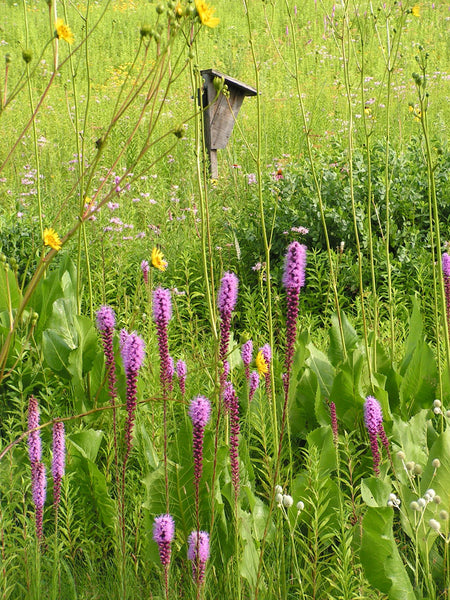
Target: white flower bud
x,y
443,515
431,493
278,489
390,503
300,505
437,499
401,455
447,413
437,403
288,501
410,465
392,497
436,463
434,524
414,505
422,502
437,410
279,499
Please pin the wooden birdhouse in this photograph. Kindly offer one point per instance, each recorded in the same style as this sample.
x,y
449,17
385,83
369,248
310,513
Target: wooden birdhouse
x,y
220,116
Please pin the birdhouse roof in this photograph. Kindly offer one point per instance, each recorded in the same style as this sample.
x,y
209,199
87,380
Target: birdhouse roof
x,y
243,88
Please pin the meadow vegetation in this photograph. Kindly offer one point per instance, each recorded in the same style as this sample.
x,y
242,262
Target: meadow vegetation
x,y
230,388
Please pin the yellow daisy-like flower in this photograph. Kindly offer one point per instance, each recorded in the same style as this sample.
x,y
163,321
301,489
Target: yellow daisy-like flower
x,y
205,12
63,31
158,259
261,364
416,10
51,238
179,11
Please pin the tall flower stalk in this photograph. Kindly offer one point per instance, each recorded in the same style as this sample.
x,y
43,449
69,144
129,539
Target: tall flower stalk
x,y
163,534
162,313
39,491
58,463
106,322
200,412
373,420
198,554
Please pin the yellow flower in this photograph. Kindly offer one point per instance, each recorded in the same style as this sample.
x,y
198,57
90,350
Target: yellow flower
x,y
63,31
416,10
261,364
205,13
51,238
158,259
179,10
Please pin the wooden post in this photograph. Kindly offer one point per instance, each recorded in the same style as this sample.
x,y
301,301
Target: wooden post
x,y
221,113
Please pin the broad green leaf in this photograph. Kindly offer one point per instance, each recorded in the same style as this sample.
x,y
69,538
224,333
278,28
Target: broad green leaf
x,y
87,336
302,412
415,335
420,380
336,350
250,556
87,442
8,283
324,370
92,491
380,557
375,492
411,437
56,351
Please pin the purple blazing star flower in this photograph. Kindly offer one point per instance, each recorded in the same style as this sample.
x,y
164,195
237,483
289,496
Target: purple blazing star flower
x,y
198,554
163,534
59,460
181,374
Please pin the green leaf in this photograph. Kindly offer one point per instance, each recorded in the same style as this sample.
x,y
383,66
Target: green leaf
x,y
336,350
86,443
324,370
420,380
411,437
322,439
375,492
415,335
380,557
8,280
302,412
56,352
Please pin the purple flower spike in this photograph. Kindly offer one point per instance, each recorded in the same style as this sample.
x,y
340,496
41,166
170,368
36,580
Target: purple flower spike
x,y
232,406
334,423
181,374
133,352
226,301
106,318
446,273
163,533
200,412
39,491
373,419
254,383
34,437
59,460
227,296
295,264
293,280
145,268
162,312
106,322
198,554
247,355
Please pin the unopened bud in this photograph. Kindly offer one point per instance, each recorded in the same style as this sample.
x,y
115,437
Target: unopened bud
x,y
27,55
401,455
437,499
437,403
279,499
443,515
418,470
278,489
300,505
436,463
414,505
8,58
145,31
410,465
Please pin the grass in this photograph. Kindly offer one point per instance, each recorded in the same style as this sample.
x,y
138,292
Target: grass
x,y
335,142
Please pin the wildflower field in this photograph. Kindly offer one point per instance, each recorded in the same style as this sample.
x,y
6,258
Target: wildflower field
x,y
232,384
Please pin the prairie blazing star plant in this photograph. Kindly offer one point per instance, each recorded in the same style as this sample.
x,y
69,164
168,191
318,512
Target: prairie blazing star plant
x,y
373,420
162,313
198,554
